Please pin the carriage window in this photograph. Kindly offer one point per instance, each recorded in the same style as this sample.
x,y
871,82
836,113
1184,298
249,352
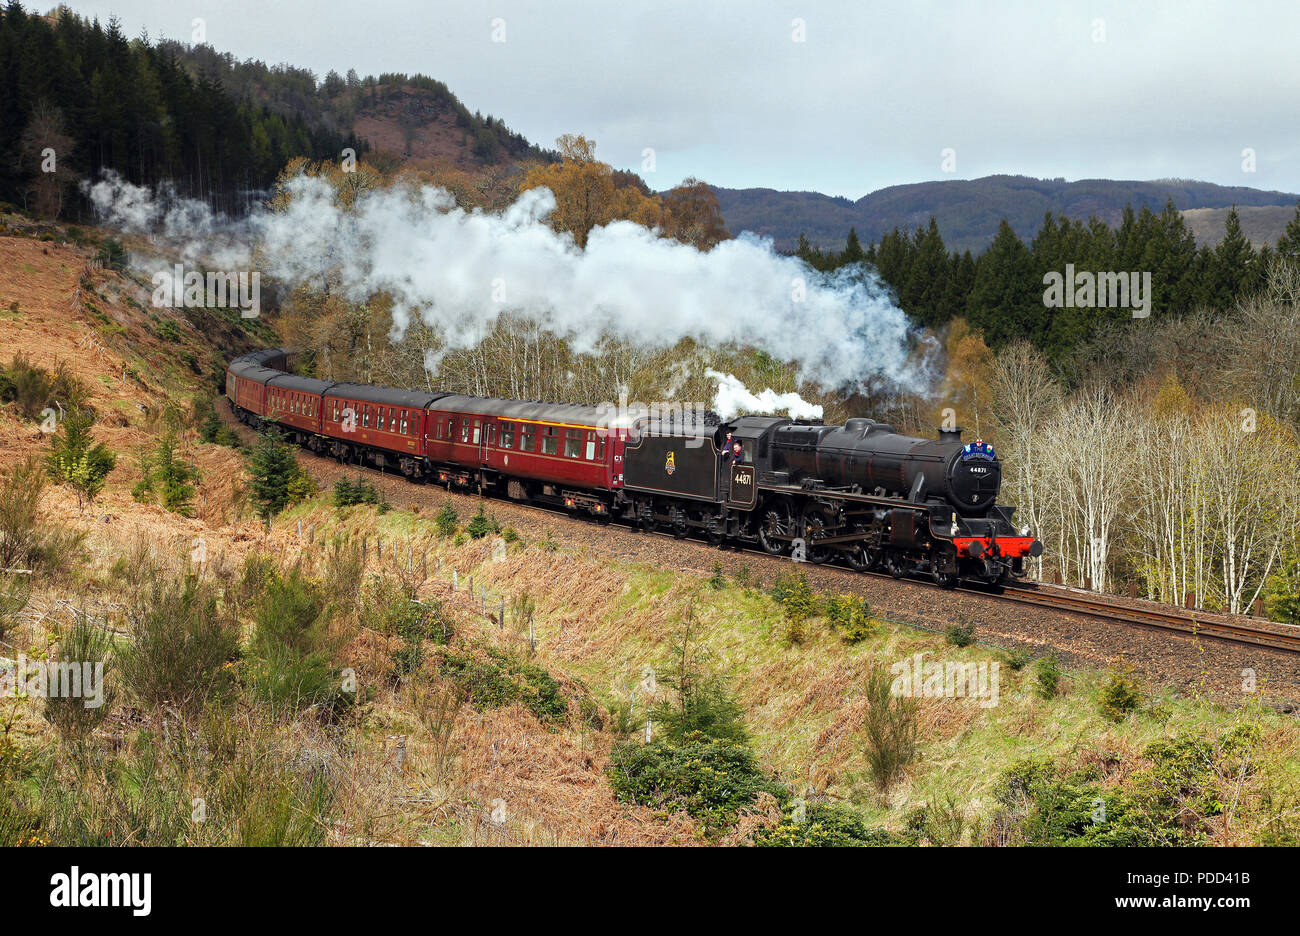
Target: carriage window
x,y
528,437
591,446
476,431
507,435
549,441
404,423
572,443
380,424
365,416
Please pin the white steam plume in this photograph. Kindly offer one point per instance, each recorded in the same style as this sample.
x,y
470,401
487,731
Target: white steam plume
x,y
733,398
460,270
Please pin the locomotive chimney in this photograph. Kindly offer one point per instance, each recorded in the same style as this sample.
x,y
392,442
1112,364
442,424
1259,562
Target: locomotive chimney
x,y
950,435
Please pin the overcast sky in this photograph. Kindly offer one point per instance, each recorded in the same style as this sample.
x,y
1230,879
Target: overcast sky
x,y
871,96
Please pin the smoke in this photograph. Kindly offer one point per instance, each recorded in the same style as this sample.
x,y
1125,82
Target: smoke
x,y
733,398
460,270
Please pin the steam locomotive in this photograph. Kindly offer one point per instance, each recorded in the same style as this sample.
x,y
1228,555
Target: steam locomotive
x,y
858,493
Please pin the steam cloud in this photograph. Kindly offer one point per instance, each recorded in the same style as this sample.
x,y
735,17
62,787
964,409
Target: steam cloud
x,y
732,398
460,270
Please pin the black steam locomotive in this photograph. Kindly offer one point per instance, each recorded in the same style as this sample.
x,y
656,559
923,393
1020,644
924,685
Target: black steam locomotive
x,y
858,492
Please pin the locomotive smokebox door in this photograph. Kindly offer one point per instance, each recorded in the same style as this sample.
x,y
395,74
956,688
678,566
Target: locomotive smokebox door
x,y
743,489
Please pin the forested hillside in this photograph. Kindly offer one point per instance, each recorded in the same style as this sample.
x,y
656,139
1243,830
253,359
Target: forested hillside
x,y
78,97
94,100
1001,292
969,211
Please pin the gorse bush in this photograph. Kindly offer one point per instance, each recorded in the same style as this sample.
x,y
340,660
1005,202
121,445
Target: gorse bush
x,y
14,596
26,540
851,618
796,597
182,645
34,390
290,664
1175,798
1118,696
821,825
961,634
493,678
1047,677
81,661
890,729
710,778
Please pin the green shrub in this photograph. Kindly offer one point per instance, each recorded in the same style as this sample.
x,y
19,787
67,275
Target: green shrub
x,y
961,634
699,702
795,595
1118,696
710,779
1047,676
480,525
851,618
821,825
890,729
492,678
13,600
212,429
1018,658
84,646
445,521
348,492
112,254
510,534
34,389
718,580
181,647
290,664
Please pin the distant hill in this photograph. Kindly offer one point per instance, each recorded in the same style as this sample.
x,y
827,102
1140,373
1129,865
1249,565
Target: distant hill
x,y
1261,225
968,211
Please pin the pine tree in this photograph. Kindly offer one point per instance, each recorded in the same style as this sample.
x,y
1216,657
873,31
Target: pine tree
x,y
77,460
1288,244
853,252
272,467
1233,267
1006,302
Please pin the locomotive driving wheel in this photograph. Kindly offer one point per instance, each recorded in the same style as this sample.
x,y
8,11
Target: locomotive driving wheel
x,y
777,520
814,523
862,558
895,564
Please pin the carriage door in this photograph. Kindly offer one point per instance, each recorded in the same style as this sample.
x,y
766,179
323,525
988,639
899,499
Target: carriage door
x,y
486,440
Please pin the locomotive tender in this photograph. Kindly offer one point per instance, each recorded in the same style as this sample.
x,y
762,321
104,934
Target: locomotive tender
x,y
860,492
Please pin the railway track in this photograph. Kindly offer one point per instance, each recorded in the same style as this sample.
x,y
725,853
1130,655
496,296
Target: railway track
x,y
1194,623
1170,620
